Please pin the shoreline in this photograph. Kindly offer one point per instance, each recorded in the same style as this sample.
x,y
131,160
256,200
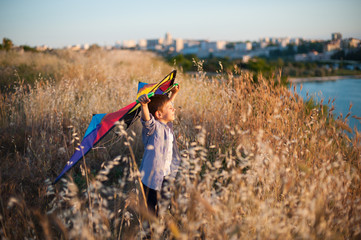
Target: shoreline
x,y
322,79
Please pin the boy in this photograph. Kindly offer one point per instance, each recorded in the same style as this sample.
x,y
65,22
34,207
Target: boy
x,y
161,157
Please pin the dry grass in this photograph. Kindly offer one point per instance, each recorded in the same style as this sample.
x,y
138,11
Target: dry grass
x,y
257,163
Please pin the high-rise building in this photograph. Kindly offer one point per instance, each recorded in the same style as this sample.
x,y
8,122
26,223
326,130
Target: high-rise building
x,y
336,36
179,44
168,39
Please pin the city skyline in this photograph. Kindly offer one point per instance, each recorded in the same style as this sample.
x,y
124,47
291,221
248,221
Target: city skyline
x,y
59,24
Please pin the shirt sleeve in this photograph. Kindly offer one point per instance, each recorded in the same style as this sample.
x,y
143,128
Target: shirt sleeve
x,y
148,126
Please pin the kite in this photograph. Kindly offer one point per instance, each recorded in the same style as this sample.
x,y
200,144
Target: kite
x,y
101,124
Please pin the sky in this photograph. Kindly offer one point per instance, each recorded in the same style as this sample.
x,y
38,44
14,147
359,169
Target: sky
x,y
68,22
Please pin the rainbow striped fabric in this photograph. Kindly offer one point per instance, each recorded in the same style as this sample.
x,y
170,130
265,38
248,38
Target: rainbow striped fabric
x,y
101,124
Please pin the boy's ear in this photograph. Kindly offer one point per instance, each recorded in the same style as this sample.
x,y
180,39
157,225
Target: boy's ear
x,y
158,114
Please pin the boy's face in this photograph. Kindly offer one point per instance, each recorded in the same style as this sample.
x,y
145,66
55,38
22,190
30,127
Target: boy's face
x,y
166,113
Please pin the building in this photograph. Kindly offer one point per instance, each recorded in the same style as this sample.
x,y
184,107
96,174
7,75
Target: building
x,y
300,57
190,50
295,41
118,45
263,44
142,44
85,46
179,44
313,56
76,47
42,48
191,43
333,45
336,36
212,46
129,44
243,47
283,42
350,43
155,44
265,40
220,45
168,40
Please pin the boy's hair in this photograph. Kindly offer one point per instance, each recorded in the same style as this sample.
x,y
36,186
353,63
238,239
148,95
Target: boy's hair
x,y
157,102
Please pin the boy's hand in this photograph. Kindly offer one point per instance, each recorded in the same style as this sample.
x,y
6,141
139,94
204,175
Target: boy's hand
x,y
144,99
175,89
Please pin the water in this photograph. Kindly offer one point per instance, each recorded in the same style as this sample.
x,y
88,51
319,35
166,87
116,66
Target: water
x,y
345,91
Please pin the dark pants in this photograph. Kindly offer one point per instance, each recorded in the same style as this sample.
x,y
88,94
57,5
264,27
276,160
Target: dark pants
x,y
152,199
153,196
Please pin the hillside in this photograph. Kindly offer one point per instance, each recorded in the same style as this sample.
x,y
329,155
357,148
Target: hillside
x,y
258,162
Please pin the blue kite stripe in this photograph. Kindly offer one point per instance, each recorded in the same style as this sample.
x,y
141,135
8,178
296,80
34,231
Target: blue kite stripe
x,y
158,91
96,119
87,144
141,85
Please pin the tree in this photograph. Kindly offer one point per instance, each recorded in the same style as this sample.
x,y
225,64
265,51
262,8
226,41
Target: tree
x,y
354,55
306,47
94,47
184,61
338,55
7,44
230,46
28,48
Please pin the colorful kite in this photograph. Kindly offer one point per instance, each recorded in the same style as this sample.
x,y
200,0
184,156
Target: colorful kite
x,y
101,124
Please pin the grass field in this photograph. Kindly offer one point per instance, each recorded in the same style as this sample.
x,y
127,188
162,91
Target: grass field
x,y
258,162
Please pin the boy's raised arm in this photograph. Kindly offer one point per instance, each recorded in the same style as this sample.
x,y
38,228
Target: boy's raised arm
x,y
174,92
144,100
